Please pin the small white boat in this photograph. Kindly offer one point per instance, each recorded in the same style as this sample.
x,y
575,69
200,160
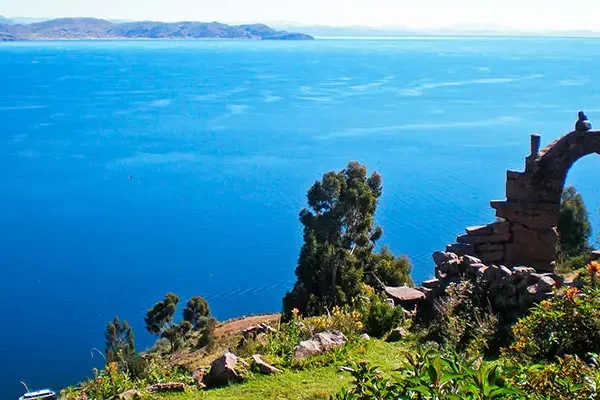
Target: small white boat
x,y
44,394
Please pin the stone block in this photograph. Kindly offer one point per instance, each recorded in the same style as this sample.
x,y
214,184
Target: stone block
x,y
499,238
490,247
479,230
431,283
530,214
500,227
491,256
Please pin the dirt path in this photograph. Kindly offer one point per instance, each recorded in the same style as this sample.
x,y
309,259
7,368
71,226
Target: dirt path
x,y
239,325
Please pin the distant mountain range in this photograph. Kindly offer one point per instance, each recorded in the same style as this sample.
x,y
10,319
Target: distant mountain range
x,y
404,31
92,28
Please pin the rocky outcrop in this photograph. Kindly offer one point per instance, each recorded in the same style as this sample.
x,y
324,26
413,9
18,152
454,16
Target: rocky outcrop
x,y
264,367
319,344
511,291
525,232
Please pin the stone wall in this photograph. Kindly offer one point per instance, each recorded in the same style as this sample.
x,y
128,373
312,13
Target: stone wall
x,y
510,291
525,231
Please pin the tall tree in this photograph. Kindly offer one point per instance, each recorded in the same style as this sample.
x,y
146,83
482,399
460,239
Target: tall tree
x,y
120,341
339,238
160,317
574,228
196,312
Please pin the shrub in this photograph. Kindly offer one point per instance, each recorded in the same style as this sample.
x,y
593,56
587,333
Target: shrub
x,y
568,379
567,324
382,317
461,321
428,375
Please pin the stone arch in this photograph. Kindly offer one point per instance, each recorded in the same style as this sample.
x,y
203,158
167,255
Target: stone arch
x,y
526,233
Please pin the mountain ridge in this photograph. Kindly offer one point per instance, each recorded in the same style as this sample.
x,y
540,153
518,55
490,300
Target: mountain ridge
x,y
94,28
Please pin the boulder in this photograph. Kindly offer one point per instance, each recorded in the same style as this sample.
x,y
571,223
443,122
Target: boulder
x,y
319,344
130,395
397,335
223,370
198,377
546,284
470,260
520,272
365,336
440,257
505,272
264,367
166,387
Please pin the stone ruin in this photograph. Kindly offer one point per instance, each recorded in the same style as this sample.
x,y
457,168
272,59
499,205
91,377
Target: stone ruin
x,y
512,259
526,230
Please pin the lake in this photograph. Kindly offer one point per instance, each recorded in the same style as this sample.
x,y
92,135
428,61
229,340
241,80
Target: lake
x,y
133,169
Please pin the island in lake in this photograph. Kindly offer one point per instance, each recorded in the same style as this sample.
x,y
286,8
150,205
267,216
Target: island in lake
x,y
93,28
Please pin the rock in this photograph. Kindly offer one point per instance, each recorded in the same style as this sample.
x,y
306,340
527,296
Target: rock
x,y
440,257
130,395
431,284
319,344
505,272
521,272
481,271
490,274
546,284
166,387
198,377
491,256
490,247
470,260
255,330
264,367
496,238
479,230
397,335
451,267
501,227
365,336
223,370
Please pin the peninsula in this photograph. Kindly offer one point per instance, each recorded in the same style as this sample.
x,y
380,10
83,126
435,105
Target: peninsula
x,y
95,29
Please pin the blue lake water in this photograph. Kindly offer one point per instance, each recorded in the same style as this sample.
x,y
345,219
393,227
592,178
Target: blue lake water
x,y
222,140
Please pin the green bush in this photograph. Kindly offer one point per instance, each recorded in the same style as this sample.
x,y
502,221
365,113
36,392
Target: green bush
x,y
382,317
462,322
568,379
427,375
567,324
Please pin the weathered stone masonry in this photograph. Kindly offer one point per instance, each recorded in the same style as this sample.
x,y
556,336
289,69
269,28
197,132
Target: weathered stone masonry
x,y
525,232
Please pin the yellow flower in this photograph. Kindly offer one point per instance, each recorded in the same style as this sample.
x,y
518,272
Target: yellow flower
x,y
546,304
295,311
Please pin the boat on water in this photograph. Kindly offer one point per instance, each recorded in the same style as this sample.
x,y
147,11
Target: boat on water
x,y
43,394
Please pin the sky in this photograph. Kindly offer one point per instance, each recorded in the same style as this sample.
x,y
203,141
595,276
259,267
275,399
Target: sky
x,y
528,15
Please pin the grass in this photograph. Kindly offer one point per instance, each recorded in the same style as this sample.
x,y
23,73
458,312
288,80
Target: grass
x,y
309,384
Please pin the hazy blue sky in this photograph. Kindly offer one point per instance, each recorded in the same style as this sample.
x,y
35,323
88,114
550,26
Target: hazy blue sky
x,y
520,14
